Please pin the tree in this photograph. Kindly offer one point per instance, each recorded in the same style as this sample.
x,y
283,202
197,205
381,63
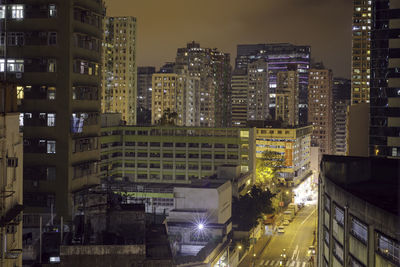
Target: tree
x,y
267,168
248,209
168,118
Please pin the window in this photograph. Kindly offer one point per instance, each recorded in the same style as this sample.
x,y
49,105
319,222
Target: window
x,y
15,65
327,203
326,236
51,147
51,119
51,173
52,11
2,11
339,215
52,38
359,230
355,263
51,65
388,247
17,11
15,38
51,93
338,251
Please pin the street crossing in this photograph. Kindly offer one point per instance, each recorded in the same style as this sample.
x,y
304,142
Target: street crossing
x,y
289,263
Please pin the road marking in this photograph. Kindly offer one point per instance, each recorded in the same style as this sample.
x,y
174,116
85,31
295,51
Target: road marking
x,y
304,264
295,250
308,217
266,262
261,262
293,263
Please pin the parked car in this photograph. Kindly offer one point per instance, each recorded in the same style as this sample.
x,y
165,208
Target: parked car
x,y
281,229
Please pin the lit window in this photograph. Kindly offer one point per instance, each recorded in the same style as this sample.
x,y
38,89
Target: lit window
x,y
51,65
2,11
20,92
52,11
51,119
17,11
51,147
15,65
51,93
2,65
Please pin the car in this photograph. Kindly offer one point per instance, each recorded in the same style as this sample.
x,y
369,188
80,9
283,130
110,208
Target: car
x,y
285,223
311,250
281,229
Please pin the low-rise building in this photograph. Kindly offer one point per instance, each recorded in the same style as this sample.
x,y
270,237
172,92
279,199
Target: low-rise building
x,y
201,217
170,154
358,206
293,144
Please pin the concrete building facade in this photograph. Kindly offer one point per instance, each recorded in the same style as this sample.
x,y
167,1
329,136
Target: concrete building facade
x,y
287,97
320,108
279,56
144,93
293,144
56,65
11,162
119,89
173,154
239,85
361,51
213,69
384,139
358,212
258,93
202,214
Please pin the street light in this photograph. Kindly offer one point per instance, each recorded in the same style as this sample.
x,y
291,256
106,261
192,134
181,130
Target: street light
x,y
200,226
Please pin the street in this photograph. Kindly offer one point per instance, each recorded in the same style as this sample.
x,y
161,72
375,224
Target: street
x,y
296,240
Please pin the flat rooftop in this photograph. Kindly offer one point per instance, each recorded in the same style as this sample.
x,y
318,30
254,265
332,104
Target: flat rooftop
x,y
374,180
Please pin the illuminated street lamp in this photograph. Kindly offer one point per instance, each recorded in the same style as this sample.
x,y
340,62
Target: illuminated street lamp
x,y
200,226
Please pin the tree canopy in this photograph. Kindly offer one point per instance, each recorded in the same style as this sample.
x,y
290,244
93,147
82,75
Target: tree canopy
x,y
267,168
248,209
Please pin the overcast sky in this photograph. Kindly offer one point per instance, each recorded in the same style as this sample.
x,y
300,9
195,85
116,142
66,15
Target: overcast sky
x,y
165,25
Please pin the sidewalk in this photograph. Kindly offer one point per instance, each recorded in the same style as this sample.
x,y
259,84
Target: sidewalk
x,y
257,249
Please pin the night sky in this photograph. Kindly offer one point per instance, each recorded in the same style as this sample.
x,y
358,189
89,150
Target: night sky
x,y
165,25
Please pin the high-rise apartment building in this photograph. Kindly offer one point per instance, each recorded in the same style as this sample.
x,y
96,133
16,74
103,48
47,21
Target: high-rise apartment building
x,y
339,117
257,94
213,69
361,58
167,97
341,95
239,85
11,162
119,68
287,97
320,108
279,56
53,56
144,91
385,80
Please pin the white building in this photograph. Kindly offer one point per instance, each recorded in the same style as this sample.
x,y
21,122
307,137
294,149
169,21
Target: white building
x,y
202,214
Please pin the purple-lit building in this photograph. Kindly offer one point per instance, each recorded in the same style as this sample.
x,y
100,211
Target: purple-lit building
x,y
279,56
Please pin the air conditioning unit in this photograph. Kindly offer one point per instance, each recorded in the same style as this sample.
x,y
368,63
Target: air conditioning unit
x,y
18,75
35,183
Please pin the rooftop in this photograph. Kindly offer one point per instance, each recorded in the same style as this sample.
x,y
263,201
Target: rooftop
x,y
374,180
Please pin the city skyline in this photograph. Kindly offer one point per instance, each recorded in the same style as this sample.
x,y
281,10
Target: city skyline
x,y
329,37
